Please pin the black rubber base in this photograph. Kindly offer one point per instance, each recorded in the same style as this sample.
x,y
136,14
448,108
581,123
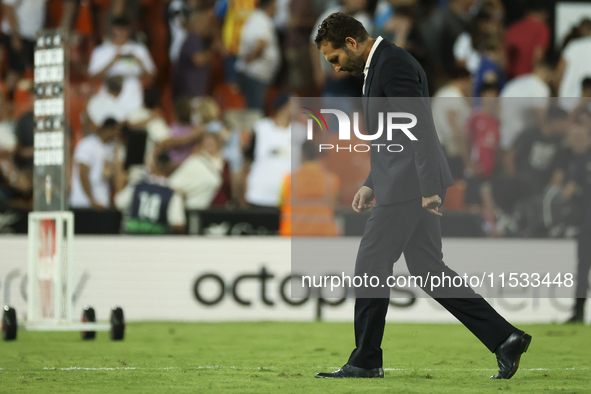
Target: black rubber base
x,y
117,324
88,316
9,324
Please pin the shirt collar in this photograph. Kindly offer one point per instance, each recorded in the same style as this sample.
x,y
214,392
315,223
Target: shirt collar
x,y
373,49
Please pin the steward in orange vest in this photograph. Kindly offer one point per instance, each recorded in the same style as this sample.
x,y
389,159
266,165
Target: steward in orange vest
x,y
308,198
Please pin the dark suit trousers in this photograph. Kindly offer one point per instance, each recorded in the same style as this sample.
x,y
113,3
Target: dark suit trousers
x,y
408,228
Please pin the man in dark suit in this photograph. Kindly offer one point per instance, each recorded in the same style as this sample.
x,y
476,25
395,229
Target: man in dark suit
x,y
408,188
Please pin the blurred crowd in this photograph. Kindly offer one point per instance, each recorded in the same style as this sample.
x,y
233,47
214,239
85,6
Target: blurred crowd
x,y
184,104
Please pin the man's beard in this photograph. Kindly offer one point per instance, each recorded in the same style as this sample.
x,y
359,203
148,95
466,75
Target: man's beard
x,y
355,63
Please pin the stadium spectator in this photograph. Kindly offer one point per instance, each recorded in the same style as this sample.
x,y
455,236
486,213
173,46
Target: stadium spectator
x,y
234,13
191,74
574,67
308,198
524,103
149,118
402,28
440,33
527,40
579,187
269,157
326,80
469,44
151,206
201,175
451,108
302,17
529,166
183,134
490,70
179,12
581,30
96,165
106,104
122,57
259,55
482,132
21,20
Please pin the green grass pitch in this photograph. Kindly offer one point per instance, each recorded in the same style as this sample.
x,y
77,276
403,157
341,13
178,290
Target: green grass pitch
x,y
282,358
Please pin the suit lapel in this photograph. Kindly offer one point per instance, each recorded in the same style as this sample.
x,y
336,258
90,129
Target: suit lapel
x,y
369,78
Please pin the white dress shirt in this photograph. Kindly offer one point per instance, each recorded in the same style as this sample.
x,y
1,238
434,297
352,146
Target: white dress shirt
x,y
368,62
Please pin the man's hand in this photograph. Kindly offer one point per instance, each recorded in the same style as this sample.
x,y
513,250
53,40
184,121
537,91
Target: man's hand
x,y
363,199
432,204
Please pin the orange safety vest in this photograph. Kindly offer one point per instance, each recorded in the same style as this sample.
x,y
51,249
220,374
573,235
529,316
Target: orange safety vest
x,y
308,200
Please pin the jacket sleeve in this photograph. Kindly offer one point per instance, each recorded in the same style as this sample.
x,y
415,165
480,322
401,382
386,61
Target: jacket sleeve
x,y
401,79
369,181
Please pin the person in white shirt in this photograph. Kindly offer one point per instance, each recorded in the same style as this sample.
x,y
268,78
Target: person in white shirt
x,y
259,56
270,157
105,104
199,177
21,20
574,66
123,57
149,118
524,102
451,108
96,164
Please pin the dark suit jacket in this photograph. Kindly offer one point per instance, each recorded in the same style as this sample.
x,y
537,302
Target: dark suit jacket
x,y
421,169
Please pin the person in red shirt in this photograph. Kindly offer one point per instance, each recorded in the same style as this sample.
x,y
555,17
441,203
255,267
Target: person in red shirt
x,y
527,40
482,129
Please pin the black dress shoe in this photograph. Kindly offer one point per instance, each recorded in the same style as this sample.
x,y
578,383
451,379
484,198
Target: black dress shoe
x,y
350,371
509,353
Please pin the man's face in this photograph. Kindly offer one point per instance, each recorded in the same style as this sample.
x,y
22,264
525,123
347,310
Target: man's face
x,y
120,35
346,58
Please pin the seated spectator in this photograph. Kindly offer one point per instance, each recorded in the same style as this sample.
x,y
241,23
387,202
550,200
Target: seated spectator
x,y
302,16
524,102
482,132
183,135
21,21
269,156
151,206
259,55
105,104
123,57
490,70
451,107
191,74
96,165
527,40
150,119
203,175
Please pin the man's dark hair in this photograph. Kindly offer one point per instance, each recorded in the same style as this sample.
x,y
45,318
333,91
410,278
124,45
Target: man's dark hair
x,y
121,21
162,160
337,27
536,5
265,3
586,84
109,123
114,84
151,98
